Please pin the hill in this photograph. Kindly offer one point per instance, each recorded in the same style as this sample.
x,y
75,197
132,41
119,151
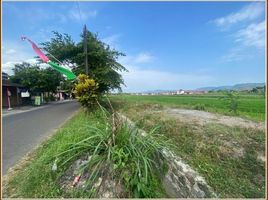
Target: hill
x,y
239,87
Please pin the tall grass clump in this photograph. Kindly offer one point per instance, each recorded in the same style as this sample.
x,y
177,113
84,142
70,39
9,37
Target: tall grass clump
x,y
115,150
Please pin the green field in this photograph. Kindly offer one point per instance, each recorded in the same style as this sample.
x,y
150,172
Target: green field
x,y
249,106
226,156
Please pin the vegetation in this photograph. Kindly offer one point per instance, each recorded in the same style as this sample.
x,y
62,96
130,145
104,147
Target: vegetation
x,y
35,78
249,106
228,157
102,60
128,157
86,91
231,100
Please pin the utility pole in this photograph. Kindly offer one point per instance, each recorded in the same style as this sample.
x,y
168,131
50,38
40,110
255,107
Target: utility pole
x,y
85,48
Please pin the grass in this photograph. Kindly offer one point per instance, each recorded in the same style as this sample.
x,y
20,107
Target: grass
x,y
129,157
225,156
249,106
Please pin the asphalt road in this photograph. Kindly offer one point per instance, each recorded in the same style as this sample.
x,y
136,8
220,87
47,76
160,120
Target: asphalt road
x,y
23,131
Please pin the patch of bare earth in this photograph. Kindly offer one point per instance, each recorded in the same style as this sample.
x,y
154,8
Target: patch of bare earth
x,y
202,118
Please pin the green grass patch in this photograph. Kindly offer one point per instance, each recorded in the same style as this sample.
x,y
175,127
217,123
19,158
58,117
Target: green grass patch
x,y
225,156
131,160
249,106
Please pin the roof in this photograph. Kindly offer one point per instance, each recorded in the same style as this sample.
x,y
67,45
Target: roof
x,y
8,83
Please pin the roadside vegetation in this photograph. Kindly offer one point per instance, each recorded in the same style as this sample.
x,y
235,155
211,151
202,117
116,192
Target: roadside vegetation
x,y
129,159
230,158
249,106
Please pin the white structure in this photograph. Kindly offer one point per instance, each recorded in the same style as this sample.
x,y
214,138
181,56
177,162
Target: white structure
x,y
180,91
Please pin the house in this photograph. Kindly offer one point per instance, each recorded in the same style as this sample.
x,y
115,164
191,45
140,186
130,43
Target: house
x,y
180,91
11,93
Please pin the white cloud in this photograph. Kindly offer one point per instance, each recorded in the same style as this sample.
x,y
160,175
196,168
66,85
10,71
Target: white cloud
x,y
112,40
81,16
17,52
32,16
10,51
252,35
144,58
141,58
236,54
248,35
247,13
138,80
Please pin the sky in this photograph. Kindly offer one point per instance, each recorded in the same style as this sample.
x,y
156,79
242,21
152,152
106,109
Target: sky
x,y
168,45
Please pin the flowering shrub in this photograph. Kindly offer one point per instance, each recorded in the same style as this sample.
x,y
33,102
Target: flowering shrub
x,y
86,91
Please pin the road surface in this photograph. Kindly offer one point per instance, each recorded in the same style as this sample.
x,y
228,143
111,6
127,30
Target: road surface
x,y
23,131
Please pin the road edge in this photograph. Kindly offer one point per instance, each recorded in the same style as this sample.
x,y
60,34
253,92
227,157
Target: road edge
x,y
28,157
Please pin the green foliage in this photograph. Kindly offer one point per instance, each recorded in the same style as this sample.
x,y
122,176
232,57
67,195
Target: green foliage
x,y
86,91
232,101
102,60
213,150
35,78
131,157
199,107
250,106
67,85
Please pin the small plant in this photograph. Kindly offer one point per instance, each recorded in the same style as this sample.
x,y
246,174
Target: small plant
x,y
232,101
199,107
86,91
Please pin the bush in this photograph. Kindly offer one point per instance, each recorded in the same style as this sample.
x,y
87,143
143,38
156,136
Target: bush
x,y
199,107
86,91
130,157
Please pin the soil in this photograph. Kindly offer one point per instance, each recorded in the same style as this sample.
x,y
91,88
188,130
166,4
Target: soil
x,y
202,118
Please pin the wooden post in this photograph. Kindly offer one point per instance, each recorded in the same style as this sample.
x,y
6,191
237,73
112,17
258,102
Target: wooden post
x,y
85,49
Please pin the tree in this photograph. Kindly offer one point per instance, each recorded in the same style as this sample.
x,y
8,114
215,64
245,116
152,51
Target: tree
x,y
35,78
102,60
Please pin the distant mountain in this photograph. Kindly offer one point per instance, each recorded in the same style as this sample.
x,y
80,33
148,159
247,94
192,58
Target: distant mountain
x,y
157,91
239,87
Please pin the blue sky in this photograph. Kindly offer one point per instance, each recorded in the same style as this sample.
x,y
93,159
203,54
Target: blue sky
x,y
168,45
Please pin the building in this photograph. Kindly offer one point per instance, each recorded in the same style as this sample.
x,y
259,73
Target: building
x,y
13,91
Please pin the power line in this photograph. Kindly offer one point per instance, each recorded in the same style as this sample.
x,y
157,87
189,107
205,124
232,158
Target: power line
x,y
79,11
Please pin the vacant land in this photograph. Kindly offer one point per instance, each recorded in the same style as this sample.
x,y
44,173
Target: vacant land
x,y
228,153
249,106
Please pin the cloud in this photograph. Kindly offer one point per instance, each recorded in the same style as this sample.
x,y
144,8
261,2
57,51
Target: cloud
x,y
17,52
252,35
236,54
81,16
248,35
10,51
138,80
144,58
112,40
140,58
247,13
33,15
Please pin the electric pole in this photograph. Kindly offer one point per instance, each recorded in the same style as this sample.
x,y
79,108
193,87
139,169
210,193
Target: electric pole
x,y
85,48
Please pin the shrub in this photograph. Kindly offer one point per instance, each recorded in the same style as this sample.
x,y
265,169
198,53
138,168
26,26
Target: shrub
x,y
232,101
86,91
129,157
199,107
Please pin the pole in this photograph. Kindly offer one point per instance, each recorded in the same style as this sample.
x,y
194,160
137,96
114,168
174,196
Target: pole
x,y
8,99
85,49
